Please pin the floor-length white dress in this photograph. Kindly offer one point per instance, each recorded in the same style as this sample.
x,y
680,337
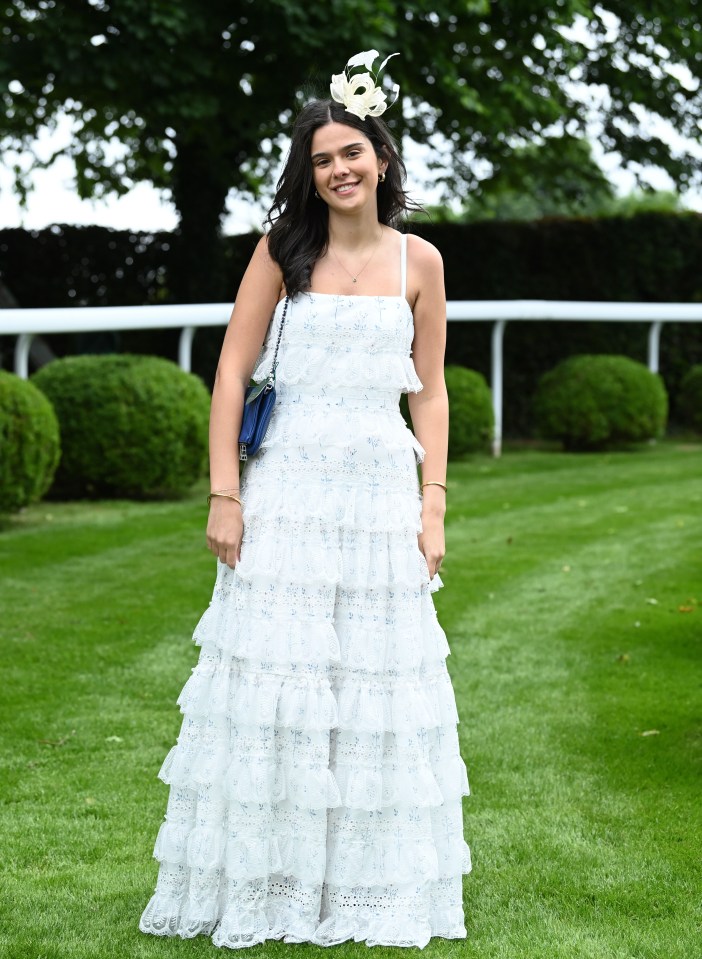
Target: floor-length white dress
x,y
316,784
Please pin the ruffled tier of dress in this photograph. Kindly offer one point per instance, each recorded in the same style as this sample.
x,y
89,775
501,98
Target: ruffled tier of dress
x,y
218,694
316,783
320,347
342,859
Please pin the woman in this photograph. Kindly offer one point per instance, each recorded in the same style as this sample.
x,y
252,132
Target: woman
x,y
316,783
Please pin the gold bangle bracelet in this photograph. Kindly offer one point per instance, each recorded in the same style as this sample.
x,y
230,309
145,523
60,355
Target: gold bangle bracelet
x,y
224,496
435,483
228,489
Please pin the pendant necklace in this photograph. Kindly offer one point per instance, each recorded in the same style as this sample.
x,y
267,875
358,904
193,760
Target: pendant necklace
x,y
354,278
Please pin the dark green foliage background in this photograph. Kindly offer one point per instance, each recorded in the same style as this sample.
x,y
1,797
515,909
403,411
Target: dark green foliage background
x,y
29,443
691,398
649,257
192,93
595,402
131,425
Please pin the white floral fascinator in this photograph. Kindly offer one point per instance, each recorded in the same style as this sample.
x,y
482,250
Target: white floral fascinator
x,y
360,93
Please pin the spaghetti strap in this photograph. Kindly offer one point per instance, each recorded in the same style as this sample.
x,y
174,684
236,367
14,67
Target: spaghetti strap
x,y
403,265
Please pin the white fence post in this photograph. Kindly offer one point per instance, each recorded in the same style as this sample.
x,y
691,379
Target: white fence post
x,y
185,348
498,332
22,347
654,341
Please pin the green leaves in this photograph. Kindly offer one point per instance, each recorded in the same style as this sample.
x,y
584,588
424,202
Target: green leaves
x,y
507,83
486,73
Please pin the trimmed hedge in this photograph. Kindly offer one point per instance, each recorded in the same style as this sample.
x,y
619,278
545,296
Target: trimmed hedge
x,y
593,402
649,257
471,419
30,446
133,426
690,401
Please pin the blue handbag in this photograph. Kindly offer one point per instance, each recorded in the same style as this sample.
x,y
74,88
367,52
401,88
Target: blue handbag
x,y
259,400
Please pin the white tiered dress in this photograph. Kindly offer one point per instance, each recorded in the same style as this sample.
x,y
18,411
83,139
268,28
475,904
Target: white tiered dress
x,y
316,784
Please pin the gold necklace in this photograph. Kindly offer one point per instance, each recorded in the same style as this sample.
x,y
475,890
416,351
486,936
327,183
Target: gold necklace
x,y
375,248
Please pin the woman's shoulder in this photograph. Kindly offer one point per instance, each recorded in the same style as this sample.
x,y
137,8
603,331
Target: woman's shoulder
x,y
422,251
264,261
424,260
262,280
261,250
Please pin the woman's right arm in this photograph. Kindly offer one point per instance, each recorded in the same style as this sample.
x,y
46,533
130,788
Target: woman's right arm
x,y
255,302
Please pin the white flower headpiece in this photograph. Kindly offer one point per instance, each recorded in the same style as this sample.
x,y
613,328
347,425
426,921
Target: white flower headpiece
x,y
360,93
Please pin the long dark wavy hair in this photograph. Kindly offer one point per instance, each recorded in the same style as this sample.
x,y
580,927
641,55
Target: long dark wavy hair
x,y
299,222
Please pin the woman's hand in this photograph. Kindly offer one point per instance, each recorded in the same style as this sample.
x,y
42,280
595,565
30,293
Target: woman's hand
x,y
225,529
431,540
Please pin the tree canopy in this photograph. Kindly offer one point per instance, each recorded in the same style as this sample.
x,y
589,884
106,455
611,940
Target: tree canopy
x,y
197,94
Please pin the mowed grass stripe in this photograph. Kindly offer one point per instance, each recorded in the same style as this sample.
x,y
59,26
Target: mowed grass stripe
x,y
581,821
584,832
144,574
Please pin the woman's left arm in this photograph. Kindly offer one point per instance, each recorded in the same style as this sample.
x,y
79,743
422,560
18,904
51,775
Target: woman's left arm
x,y
429,408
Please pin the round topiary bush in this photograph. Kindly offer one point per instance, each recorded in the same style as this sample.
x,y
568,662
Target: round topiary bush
x,y
131,425
592,402
471,418
30,446
690,400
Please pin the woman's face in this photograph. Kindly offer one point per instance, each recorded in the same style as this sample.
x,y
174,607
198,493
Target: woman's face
x,y
345,167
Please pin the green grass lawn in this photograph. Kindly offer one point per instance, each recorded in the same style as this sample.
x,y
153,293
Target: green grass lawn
x,y
573,605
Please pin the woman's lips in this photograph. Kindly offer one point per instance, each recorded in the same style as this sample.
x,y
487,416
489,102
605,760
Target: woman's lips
x,y
345,188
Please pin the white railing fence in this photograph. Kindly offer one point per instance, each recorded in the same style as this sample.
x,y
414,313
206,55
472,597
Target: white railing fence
x,y
25,324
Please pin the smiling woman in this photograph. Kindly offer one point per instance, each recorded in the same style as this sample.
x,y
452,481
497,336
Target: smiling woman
x,y
315,788
346,173
337,164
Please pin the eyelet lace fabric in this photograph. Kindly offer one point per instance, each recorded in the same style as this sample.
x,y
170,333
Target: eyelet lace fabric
x,y
315,786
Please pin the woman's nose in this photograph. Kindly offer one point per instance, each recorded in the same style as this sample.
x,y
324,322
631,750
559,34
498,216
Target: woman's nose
x,y
340,167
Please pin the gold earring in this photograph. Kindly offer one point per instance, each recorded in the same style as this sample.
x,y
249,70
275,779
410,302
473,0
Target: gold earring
x,y
316,194
381,177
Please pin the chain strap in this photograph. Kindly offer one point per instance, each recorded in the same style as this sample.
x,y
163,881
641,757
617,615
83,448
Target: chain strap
x,y
271,377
